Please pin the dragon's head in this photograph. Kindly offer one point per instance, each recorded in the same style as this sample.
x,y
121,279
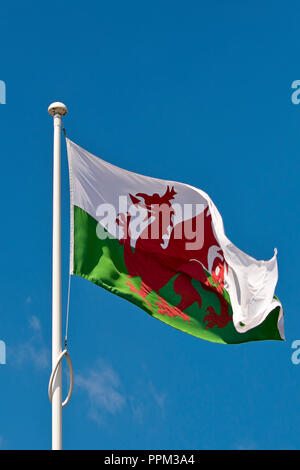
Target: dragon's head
x,y
159,207
146,200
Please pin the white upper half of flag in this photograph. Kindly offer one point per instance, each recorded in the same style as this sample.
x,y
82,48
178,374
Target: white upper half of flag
x,y
250,283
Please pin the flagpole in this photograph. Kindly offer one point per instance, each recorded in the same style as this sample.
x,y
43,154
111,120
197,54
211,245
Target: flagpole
x,y
57,110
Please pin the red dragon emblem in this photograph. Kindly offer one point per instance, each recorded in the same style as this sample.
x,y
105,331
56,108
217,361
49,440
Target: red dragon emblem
x,y
156,260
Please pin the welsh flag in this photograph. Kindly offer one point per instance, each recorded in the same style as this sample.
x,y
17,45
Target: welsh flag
x,y
161,245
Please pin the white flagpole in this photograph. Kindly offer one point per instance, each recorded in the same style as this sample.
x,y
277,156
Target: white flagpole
x,y
57,110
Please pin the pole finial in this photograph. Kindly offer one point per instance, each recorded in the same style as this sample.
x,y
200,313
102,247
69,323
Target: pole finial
x,y
57,108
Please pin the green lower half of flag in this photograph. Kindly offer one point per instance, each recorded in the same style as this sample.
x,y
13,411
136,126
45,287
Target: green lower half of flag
x,y
102,261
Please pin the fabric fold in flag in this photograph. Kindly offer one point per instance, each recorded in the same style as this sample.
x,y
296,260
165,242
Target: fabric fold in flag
x,y
162,246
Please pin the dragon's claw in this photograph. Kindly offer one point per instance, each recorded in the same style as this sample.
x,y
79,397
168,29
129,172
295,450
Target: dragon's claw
x,y
213,319
165,308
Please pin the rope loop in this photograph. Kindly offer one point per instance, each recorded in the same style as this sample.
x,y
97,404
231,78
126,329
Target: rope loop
x,y
53,373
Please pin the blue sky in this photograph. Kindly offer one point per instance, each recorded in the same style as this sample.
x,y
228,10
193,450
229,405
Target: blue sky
x,y
198,92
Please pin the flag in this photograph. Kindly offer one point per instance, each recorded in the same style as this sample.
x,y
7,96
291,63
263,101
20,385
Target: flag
x,y
161,245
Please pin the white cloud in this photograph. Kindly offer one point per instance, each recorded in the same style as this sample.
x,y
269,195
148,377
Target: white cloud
x,y
103,389
38,355
247,444
145,400
34,323
137,409
33,350
101,384
159,398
